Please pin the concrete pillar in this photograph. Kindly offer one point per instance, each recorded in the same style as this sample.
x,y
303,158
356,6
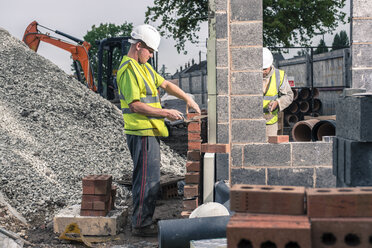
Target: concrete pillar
x,y
238,78
361,44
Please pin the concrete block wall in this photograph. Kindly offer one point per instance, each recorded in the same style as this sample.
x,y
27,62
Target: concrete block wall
x,y
306,164
352,156
240,120
361,44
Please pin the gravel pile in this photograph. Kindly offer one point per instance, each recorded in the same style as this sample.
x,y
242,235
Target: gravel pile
x,y
53,132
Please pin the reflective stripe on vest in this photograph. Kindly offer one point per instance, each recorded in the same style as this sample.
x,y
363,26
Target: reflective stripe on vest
x,y
128,111
272,94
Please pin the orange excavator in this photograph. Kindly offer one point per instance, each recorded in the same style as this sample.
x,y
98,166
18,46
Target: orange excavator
x,y
79,51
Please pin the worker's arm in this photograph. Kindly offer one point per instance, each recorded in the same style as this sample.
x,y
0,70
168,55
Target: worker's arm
x,y
285,96
144,109
174,90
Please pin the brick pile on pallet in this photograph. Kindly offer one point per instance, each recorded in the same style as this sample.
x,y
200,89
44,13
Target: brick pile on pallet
x,y
276,216
98,195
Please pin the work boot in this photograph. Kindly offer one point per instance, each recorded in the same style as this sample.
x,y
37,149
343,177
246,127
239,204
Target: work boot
x,y
146,231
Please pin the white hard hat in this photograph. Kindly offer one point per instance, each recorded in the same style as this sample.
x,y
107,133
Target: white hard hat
x,y
147,34
267,58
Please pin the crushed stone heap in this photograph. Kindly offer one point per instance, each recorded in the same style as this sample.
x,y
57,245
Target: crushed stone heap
x,y
53,132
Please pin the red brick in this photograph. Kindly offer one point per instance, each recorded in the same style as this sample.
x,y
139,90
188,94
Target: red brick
x,y
268,231
88,184
215,148
95,202
86,205
185,214
92,198
194,136
192,115
97,184
278,139
339,202
194,127
100,205
102,185
193,166
193,155
341,232
263,199
191,190
93,212
194,145
190,204
192,177
112,197
169,190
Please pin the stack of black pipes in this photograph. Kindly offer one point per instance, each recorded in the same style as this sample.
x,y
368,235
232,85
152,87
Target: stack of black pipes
x,y
302,105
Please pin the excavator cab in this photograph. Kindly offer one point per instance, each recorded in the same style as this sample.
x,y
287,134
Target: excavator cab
x,y
106,78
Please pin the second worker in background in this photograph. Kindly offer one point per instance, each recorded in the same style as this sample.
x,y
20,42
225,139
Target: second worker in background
x,y
143,115
277,93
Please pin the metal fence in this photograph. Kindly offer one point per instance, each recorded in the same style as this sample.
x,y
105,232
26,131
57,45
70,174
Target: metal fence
x,y
329,72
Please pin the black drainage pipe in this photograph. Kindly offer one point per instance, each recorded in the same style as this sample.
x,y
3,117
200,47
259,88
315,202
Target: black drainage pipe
x,y
323,128
179,232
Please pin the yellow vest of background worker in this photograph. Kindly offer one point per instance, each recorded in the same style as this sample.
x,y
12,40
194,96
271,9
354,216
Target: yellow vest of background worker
x,y
272,94
140,82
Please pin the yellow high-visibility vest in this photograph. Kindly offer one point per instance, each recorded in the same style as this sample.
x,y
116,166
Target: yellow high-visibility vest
x,y
276,81
141,78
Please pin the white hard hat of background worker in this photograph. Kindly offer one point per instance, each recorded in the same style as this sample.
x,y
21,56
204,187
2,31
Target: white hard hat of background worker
x,y
146,33
267,58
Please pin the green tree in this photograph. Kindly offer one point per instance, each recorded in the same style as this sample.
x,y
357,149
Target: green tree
x,y
180,19
101,32
340,40
322,47
285,22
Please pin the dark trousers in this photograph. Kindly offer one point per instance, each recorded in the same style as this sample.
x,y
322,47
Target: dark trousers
x,y
145,152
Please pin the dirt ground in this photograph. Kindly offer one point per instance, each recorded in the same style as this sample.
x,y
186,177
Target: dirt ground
x,y
43,235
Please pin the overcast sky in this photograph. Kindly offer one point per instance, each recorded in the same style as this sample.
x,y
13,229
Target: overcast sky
x,y
76,17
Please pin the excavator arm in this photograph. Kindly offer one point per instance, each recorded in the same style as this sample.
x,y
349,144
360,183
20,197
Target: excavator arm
x,y
79,52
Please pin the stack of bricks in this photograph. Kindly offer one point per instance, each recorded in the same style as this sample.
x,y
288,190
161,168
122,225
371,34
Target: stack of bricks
x,y
276,216
340,217
268,216
98,195
192,188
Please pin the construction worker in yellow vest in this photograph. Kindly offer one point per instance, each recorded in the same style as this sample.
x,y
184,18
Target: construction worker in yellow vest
x,y
143,115
277,93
